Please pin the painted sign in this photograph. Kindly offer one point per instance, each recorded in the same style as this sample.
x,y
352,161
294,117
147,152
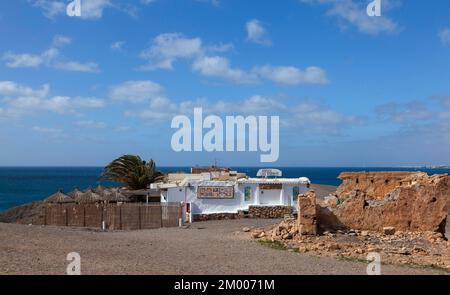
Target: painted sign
x,y
269,172
270,186
215,192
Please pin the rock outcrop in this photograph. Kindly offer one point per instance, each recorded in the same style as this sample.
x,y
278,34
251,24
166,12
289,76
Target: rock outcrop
x,y
417,202
376,185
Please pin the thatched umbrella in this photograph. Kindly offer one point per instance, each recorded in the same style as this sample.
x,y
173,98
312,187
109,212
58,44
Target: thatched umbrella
x,y
89,196
100,189
59,197
116,196
113,195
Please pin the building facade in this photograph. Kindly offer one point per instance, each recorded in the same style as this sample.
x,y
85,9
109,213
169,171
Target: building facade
x,y
229,193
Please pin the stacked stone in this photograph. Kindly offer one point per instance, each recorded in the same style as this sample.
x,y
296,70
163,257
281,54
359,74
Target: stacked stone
x,y
215,216
307,215
269,211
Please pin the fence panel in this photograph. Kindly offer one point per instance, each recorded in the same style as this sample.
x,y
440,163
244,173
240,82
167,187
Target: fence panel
x,y
170,215
75,215
130,216
112,219
93,215
116,217
151,216
56,215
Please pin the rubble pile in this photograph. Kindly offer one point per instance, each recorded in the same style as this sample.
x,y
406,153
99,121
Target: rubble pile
x,y
427,249
403,216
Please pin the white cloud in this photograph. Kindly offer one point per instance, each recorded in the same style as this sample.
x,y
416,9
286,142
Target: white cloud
x,y
50,58
404,113
88,102
291,75
309,117
256,33
14,60
136,91
18,100
76,66
221,47
444,35
216,66
258,104
350,12
118,45
91,124
314,117
51,8
93,9
59,41
11,89
166,48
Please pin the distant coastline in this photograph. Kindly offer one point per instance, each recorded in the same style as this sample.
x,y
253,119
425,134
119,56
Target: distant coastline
x,y
21,185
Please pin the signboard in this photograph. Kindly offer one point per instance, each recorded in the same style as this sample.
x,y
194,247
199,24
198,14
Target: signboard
x,y
270,186
269,172
215,192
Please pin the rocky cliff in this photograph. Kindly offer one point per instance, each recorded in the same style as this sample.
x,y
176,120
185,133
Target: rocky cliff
x,y
403,200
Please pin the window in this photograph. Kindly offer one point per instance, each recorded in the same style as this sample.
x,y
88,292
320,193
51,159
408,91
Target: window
x,y
247,193
295,192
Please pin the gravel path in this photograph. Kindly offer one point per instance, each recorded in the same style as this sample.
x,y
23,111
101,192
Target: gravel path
x,y
213,247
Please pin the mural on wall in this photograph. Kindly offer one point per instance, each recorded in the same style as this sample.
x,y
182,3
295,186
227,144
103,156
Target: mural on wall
x,y
215,192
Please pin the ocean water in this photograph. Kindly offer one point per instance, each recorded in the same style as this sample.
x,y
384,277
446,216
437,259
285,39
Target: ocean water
x,y
23,185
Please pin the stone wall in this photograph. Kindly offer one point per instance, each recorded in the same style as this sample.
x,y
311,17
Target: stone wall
x,y
215,216
375,184
269,211
418,202
307,217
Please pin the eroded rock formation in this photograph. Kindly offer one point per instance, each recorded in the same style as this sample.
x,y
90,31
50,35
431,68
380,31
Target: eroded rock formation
x,y
407,201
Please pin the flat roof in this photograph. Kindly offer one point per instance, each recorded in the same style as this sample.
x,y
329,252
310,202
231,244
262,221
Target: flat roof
x,y
300,180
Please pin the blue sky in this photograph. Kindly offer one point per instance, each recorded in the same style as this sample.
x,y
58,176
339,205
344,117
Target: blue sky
x,y
350,90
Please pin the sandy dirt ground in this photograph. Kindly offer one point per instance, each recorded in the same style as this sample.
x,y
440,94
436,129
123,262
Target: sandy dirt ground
x,y
212,247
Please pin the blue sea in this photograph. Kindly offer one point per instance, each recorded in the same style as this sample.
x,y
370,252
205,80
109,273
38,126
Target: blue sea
x,y
23,185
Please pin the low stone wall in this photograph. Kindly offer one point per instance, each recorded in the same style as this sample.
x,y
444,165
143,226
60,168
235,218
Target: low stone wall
x,y
216,216
269,211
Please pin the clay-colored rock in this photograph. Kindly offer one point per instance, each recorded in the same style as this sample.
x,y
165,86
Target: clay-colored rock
x,y
420,203
376,185
307,221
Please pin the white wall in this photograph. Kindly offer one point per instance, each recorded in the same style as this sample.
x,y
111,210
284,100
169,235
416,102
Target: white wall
x,y
209,206
270,197
174,194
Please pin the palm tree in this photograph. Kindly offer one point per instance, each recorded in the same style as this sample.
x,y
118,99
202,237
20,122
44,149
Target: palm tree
x,y
132,171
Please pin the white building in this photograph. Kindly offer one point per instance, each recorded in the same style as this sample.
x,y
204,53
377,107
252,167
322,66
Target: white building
x,y
204,195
